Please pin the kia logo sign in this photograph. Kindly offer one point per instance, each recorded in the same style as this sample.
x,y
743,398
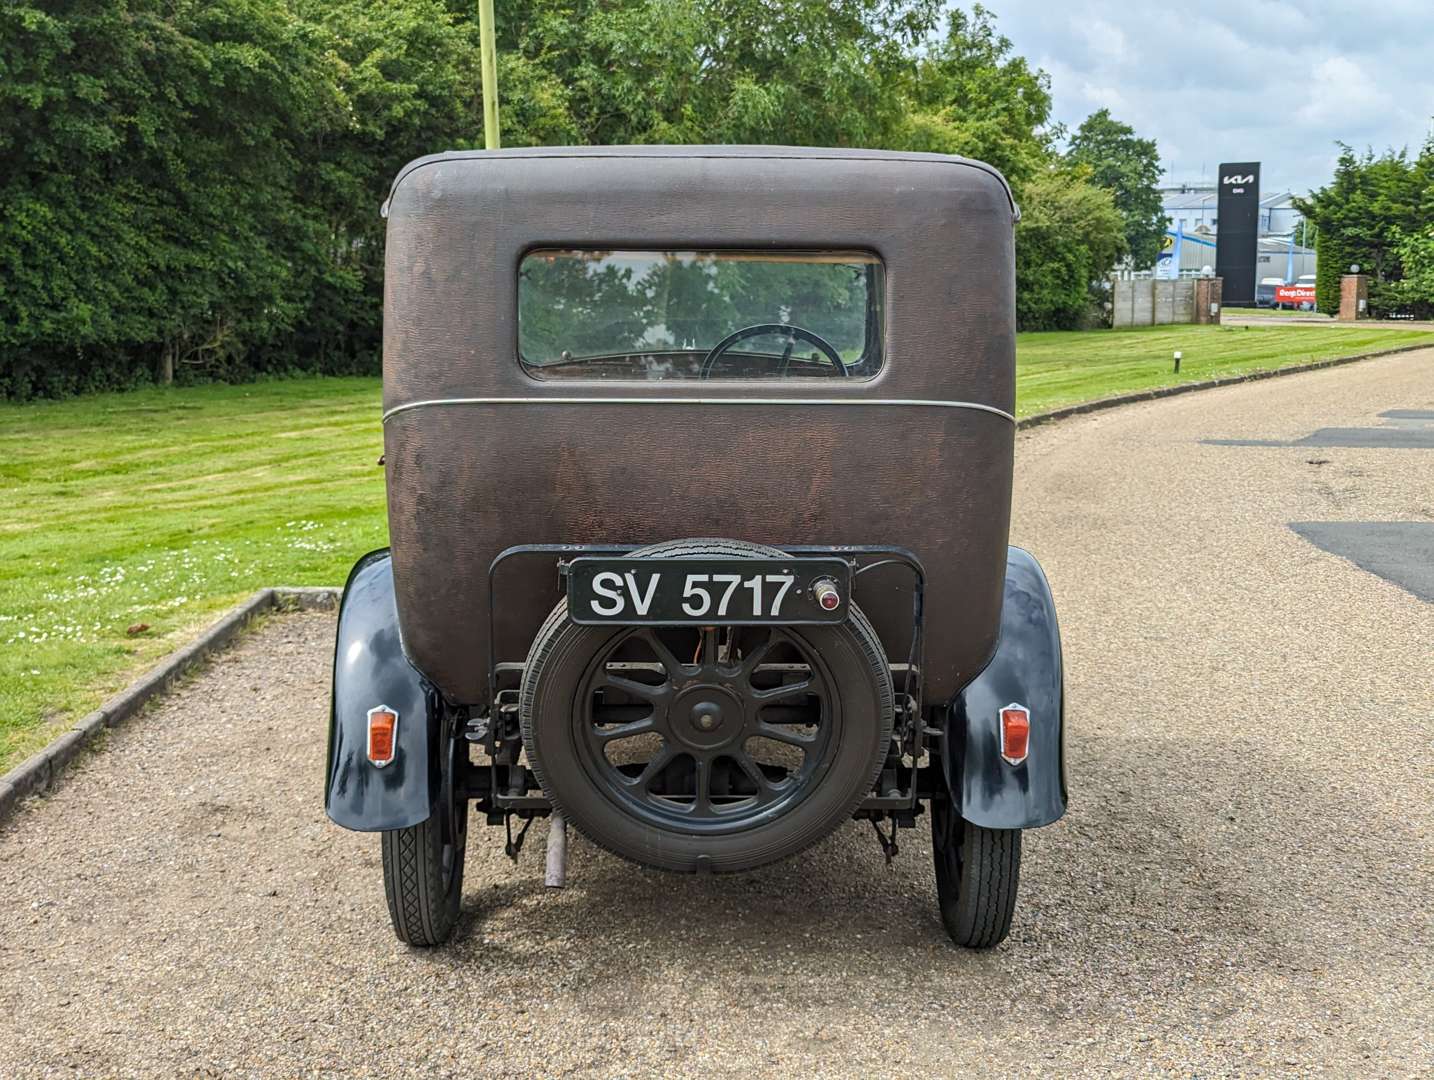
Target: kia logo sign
x,y
1235,244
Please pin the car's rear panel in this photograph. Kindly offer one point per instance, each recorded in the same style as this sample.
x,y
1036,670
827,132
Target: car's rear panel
x,y
481,456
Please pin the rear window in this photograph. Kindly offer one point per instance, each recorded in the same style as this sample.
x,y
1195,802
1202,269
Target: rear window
x,y
700,314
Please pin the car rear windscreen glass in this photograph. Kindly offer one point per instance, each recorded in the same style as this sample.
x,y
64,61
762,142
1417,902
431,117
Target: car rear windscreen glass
x,y
700,314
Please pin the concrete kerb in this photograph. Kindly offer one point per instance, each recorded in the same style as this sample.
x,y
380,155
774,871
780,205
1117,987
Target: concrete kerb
x,y
38,773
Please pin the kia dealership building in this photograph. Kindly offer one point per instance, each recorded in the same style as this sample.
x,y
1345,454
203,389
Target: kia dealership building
x,y
1193,214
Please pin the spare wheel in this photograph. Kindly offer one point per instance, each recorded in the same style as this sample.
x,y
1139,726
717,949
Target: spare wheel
x,y
717,749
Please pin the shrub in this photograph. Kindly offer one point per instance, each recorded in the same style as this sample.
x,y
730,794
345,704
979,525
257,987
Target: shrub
x,y
1069,236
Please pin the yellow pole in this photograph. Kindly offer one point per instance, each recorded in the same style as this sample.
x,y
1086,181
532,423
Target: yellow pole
x,y
489,60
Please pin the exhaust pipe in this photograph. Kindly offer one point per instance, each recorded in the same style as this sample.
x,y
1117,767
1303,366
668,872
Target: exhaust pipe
x,y
556,875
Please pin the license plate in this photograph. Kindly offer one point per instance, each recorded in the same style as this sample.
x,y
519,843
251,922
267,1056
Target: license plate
x,y
708,592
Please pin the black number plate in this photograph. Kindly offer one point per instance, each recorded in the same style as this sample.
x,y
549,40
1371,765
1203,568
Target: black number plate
x,y
708,592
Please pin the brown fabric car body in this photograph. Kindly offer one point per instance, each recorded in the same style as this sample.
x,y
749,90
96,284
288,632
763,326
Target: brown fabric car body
x,y
481,455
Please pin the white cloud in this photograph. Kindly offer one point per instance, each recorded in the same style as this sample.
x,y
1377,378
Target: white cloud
x,y
1234,80
1104,40
1341,92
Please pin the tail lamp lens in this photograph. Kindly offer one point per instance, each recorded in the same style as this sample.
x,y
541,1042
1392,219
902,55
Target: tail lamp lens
x,y
382,735
1015,733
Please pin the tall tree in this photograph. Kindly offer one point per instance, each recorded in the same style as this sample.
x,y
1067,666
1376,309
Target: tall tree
x,y
973,95
807,72
401,80
1413,293
1129,167
1364,213
147,165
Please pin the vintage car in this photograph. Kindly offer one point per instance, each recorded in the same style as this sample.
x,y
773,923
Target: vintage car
x,y
698,464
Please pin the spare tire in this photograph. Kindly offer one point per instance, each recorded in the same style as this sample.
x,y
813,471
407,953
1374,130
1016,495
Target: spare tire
x,y
706,750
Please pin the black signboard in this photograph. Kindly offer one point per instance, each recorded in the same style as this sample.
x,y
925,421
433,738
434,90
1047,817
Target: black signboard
x,y
1238,230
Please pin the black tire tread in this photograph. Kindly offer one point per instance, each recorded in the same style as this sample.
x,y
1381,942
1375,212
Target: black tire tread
x,y
977,886
422,911
993,866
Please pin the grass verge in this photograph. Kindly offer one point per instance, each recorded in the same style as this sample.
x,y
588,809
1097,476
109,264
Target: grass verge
x,y
135,518
1065,368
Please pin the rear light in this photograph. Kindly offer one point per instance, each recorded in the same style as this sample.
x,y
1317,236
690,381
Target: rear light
x,y
1015,733
382,735
827,594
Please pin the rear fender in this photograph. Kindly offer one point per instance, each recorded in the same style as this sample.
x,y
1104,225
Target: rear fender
x,y
371,670
1025,670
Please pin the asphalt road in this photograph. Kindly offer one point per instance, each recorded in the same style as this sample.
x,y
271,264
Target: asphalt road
x,y
1243,885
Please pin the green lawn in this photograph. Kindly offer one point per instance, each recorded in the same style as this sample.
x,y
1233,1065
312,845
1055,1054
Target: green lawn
x,y
162,507
1062,368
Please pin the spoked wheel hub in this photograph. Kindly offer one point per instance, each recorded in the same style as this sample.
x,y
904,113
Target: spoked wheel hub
x,y
738,733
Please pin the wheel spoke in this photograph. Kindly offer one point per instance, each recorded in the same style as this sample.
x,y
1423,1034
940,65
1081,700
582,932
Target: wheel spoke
x,y
753,658
786,690
670,663
765,788
702,804
709,648
783,734
635,688
625,731
659,761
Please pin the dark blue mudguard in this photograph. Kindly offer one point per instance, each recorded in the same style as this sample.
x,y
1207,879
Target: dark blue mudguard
x,y
370,669
1025,670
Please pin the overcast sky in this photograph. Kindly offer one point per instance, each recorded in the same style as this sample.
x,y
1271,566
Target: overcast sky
x,y
1239,80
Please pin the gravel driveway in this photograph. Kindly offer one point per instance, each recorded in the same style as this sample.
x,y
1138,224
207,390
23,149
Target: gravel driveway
x,y
1243,885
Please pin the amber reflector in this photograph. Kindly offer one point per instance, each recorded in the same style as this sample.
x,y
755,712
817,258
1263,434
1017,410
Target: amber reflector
x,y
382,735
1015,733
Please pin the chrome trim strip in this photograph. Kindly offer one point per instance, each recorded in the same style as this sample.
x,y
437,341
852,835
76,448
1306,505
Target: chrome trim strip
x,y
693,401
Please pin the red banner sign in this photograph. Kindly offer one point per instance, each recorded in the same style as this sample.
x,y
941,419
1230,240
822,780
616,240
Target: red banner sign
x,y
1294,294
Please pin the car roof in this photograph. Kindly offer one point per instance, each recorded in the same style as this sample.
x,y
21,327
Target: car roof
x,y
724,151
